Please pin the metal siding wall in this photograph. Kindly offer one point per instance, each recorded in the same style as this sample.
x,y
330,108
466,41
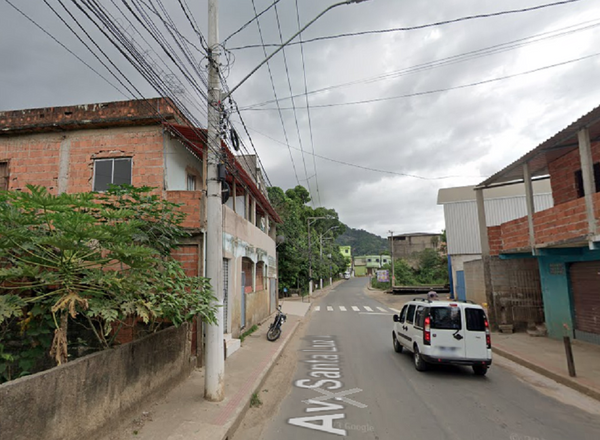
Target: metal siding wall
x,y
462,229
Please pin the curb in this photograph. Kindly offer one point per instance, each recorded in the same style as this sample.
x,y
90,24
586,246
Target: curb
x,y
258,383
548,373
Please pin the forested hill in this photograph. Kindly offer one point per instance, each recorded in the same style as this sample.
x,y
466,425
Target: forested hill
x,y
363,242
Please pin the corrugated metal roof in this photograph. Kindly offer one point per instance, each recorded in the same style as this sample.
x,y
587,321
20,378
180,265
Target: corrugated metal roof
x,y
558,145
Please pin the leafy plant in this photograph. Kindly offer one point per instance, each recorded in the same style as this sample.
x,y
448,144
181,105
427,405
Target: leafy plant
x,y
255,400
248,332
94,260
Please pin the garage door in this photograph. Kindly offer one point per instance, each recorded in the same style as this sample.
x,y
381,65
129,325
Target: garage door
x,y
585,287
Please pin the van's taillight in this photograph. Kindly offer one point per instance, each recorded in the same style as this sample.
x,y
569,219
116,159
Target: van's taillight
x,y
427,331
488,338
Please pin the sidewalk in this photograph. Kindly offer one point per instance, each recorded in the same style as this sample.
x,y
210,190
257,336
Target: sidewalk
x,y
184,414
547,357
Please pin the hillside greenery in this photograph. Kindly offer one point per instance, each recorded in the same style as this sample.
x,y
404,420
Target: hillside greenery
x,y
363,242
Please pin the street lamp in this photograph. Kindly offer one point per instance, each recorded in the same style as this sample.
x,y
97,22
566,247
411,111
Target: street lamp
x,y
308,223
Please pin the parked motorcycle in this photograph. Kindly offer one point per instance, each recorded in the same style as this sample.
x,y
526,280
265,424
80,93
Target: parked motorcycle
x,y
275,327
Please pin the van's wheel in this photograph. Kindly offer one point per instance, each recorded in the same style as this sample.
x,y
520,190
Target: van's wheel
x,y
397,345
480,370
420,364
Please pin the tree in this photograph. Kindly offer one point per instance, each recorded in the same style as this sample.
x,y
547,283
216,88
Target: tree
x,y
88,259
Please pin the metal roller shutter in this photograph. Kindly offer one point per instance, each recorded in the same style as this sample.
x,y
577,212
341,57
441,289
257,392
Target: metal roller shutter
x,y
585,287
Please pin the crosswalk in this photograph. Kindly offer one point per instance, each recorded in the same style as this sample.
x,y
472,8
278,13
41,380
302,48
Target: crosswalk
x,y
361,309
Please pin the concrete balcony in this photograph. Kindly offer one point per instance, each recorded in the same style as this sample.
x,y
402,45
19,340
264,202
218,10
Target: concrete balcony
x,y
193,205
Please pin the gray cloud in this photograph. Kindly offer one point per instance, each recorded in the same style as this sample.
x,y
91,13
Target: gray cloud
x,y
469,133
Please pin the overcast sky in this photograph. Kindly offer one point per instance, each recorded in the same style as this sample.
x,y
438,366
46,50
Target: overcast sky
x,y
396,153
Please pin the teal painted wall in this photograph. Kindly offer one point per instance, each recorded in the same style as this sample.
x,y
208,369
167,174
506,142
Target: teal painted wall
x,y
554,275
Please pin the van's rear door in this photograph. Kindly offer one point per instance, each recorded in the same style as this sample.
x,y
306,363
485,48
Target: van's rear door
x,y
475,333
447,335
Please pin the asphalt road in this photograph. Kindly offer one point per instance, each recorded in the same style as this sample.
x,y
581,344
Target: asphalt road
x,y
375,393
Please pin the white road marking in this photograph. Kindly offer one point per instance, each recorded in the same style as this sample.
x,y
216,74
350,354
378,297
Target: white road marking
x,y
395,310
329,309
382,309
317,308
342,308
374,313
369,309
356,309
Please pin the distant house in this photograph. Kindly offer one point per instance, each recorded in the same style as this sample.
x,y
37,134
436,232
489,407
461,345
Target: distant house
x,y
367,265
462,231
346,251
405,245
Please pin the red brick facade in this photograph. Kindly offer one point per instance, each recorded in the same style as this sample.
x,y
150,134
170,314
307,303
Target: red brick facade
x,y
565,222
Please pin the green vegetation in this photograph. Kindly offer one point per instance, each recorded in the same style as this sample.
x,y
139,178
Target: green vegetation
x,y
255,400
248,332
77,268
293,251
363,242
431,269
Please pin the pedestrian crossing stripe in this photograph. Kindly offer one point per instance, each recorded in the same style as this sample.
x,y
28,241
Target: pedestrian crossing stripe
x,y
381,310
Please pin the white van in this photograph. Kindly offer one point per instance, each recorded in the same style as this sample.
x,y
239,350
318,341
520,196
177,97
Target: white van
x,y
444,332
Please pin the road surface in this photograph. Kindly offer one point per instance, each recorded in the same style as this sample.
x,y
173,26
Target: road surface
x,y
350,382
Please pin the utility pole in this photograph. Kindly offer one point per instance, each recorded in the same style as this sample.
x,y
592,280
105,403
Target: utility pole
x,y
392,252
214,379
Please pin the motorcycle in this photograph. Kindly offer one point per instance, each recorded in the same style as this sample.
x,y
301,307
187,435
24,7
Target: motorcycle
x,y
275,327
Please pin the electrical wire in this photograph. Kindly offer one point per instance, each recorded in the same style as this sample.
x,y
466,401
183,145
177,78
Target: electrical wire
x,y
310,130
447,89
341,162
275,94
412,28
249,22
454,59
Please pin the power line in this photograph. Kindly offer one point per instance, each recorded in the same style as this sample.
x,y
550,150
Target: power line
x,y
310,130
341,162
412,28
454,59
275,94
430,92
256,16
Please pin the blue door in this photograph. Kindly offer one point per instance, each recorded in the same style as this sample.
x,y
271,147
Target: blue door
x,y
461,291
243,302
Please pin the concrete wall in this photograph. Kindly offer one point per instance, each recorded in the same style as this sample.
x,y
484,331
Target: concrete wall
x,y
412,244
241,239
474,281
180,162
90,396
459,263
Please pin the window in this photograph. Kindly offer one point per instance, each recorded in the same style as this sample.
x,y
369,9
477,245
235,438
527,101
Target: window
x,y
111,171
403,313
410,314
579,180
3,176
420,316
191,182
475,319
445,318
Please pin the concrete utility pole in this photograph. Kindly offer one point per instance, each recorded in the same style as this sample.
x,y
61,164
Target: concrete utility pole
x,y
392,252
214,379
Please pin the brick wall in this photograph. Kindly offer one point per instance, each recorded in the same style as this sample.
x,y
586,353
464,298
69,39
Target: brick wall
x,y
76,116
187,255
495,239
36,158
562,174
193,207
